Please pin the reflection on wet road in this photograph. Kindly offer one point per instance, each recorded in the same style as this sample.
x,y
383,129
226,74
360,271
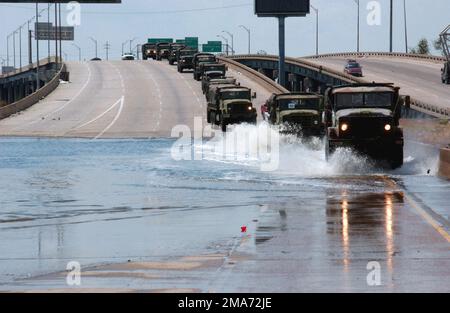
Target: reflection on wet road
x,y
137,220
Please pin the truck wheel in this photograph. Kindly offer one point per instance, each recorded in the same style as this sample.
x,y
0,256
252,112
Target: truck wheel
x,y
253,121
170,62
329,149
208,116
223,126
397,157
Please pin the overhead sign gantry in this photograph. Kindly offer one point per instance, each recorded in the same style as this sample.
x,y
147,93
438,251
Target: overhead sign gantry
x,y
281,10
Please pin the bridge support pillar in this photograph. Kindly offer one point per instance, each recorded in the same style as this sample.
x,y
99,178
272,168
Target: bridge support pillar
x,y
282,46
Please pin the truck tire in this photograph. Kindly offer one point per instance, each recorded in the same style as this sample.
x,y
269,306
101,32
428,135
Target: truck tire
x,y
171,62
397,156
330,148
223,125
208,116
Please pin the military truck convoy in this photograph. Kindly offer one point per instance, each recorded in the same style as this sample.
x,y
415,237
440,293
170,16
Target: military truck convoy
x,y
364,117
149,51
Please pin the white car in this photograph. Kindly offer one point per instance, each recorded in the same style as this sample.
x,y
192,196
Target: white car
x,y
128,57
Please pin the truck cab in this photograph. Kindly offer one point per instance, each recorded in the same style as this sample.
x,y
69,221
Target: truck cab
x,y
207,82
199,59
149,51
297,113
365,118
173,48
210,71
230,105
162,51
185,58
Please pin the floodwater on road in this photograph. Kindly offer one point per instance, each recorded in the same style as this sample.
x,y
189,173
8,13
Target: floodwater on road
x,y
137,219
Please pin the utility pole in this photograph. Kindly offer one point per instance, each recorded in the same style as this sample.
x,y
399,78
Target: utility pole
x,y
20,45
358,26
406,26
107,48
249,37
317,28
232,40
131,42
391,43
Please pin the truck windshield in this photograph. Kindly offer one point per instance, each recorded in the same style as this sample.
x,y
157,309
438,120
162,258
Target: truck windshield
x,y
206,59
185,53
364,100
241,94
214,68
299,104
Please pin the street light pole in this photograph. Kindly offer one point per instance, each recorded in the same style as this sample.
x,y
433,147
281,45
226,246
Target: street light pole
x,y
96,46
406,27
249,37
317,28
79,51
391,43
14,48
123,45
232,40
131,43
226,42
358,26
282,48
38,82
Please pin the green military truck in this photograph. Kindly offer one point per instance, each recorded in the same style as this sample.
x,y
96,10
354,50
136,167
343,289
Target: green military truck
x,y
162,51
199,59
366,118
173,48
185,58
230,105
214,70
207,82
297,113
149,51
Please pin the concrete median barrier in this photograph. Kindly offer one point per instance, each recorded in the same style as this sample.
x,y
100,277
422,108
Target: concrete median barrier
x,y
444,163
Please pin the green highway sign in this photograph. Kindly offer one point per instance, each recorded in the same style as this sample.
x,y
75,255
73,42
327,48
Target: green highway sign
x,y
192,42
158,40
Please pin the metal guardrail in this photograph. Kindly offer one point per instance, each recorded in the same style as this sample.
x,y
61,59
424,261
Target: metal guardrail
x,y
429,109
269,84
378,54
32,99
29,67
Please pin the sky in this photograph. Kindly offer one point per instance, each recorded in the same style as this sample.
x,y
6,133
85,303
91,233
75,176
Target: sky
x,y
117,23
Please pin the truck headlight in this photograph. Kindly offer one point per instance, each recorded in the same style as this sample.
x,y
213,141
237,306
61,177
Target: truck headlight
x,y
344,127
250,108
387,127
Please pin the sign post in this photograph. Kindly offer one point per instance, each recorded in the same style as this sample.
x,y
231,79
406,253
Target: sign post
x,y
281,10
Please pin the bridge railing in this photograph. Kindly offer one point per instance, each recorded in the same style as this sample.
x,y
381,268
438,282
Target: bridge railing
x,y
427,108
378,54
33,98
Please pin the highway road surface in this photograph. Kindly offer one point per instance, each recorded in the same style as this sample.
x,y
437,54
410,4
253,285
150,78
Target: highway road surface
x,y
117,100
419,79
136,219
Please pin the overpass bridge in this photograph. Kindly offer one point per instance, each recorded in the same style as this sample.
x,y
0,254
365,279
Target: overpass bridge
x,y
127,99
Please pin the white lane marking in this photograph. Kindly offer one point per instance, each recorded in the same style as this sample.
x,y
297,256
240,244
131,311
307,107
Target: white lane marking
x,y
114,120
71,100
100,116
